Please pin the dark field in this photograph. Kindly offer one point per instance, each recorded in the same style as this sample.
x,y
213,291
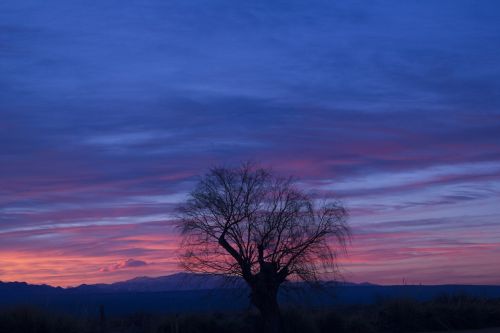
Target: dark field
x,y
445,313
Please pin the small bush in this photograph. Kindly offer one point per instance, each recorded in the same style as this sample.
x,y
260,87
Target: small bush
x,y
298,321
331,321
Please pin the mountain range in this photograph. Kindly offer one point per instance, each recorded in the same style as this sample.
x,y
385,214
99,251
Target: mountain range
x,y
185,292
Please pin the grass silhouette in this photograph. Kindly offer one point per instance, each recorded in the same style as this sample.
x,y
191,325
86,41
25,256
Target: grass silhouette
x,y
445,313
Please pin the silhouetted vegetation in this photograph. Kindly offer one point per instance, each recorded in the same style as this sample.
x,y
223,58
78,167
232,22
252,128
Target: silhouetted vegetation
x,y
399,315
250,223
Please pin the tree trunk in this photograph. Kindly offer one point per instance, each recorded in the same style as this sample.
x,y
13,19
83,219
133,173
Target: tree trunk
x,y
266,300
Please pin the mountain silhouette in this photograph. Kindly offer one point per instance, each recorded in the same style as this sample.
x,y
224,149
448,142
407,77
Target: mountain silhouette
x,y
174,282
185,292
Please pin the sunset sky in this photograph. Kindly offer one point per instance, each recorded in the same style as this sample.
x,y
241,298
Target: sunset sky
x,y
110,109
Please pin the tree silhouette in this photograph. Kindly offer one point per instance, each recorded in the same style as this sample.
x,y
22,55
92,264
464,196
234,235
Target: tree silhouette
x,y
248,222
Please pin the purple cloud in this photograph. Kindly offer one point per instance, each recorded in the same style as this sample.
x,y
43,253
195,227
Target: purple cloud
x,y
129,263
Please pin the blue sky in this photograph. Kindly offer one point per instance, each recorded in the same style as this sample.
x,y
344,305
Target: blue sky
x,y
108,111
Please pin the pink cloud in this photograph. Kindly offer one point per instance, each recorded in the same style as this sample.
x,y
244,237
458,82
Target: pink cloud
x,y
129,263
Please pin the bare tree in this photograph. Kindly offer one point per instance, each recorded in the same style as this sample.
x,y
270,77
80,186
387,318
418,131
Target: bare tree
x,y
250,223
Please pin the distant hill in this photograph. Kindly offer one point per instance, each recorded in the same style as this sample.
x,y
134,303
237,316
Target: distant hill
x,y
177,282
174,282
186,292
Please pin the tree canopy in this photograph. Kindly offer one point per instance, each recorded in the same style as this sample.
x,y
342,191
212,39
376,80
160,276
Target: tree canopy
x,y
241,221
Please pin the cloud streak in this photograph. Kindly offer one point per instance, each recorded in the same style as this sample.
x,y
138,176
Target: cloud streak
x,y
129,263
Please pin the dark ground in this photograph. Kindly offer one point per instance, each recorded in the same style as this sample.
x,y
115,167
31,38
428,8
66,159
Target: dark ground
x,y
442,314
